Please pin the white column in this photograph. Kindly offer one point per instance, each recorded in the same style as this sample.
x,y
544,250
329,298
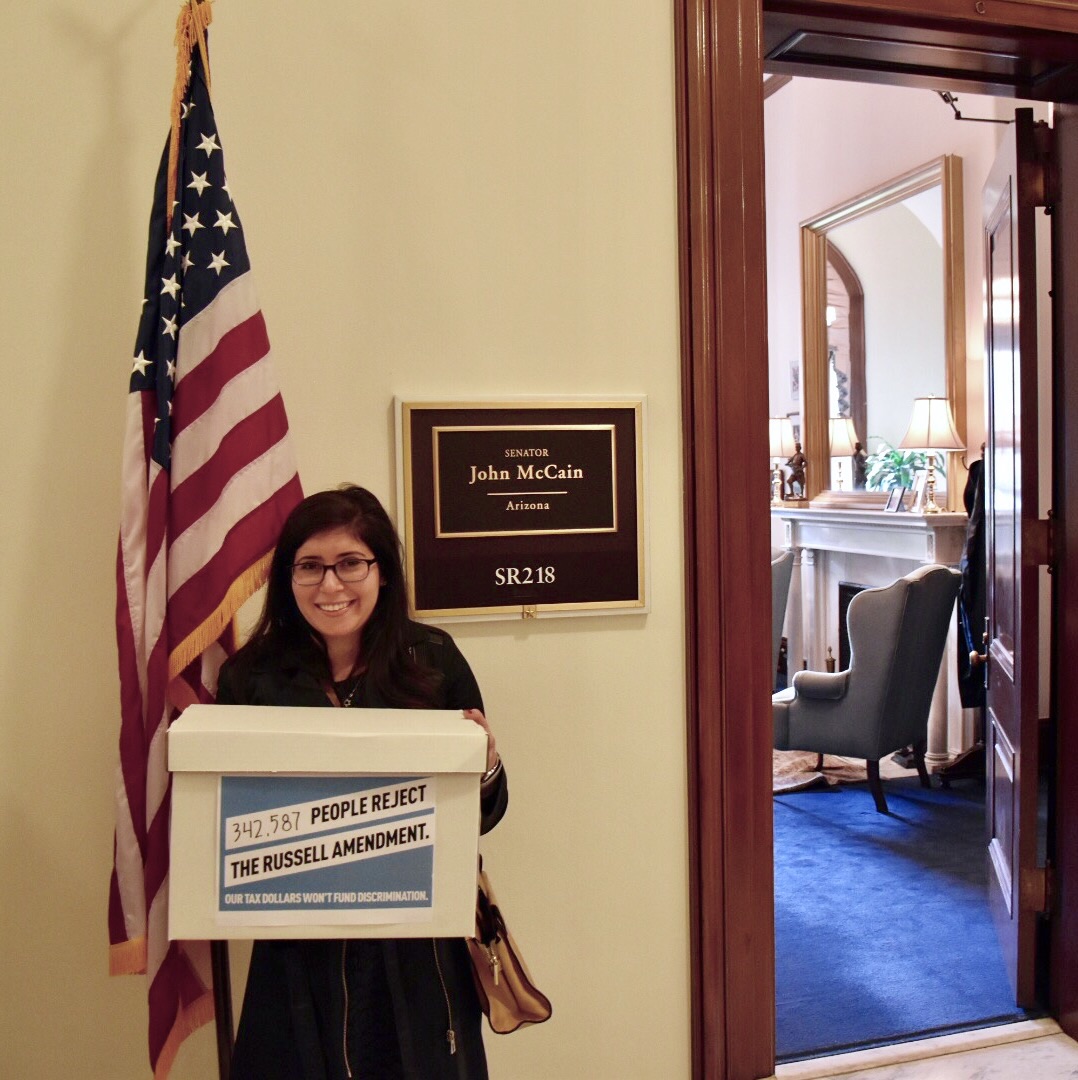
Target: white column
x,y
960,722
795,629
937,719
810,581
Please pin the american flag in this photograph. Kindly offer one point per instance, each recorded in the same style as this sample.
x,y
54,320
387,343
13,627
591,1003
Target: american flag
x,y
209,476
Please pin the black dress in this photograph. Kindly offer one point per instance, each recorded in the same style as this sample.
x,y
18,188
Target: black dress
x,y
330,1010
972,592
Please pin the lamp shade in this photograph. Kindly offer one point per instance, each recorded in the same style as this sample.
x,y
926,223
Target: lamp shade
x,y
931,426
780,433
843,437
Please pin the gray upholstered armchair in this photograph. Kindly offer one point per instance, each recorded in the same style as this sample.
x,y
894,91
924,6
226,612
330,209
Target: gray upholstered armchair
x,y
782,564
880,703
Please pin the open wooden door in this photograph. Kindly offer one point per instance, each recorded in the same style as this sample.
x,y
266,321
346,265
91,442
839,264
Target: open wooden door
x,y
1017,545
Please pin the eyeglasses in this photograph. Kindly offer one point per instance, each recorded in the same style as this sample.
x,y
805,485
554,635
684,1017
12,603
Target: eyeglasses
x,y
350,569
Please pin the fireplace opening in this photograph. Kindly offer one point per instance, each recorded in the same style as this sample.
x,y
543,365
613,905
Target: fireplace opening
x,y
847,590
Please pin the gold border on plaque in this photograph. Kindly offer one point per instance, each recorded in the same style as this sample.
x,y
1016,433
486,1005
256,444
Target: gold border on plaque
x,y
509,611
440,533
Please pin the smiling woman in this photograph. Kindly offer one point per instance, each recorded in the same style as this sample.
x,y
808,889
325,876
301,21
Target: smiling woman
x,y
336,631
335,582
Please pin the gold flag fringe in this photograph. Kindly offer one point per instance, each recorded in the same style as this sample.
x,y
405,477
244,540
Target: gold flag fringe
x,y
189,1018
211,628
128,957
191,26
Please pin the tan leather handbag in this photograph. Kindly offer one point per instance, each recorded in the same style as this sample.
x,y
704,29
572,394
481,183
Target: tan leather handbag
x,y
506,992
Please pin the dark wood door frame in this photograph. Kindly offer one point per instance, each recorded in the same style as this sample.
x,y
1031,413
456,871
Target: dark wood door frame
x,y
727,534
719,100
1064,902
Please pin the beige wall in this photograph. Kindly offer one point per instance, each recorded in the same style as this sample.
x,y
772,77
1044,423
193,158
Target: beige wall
x,y
465,198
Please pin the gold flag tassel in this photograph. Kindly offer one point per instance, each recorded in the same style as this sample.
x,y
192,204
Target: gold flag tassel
x,y
191,26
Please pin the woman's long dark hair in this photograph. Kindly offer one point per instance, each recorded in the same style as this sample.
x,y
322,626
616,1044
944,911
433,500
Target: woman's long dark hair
x,y
392,674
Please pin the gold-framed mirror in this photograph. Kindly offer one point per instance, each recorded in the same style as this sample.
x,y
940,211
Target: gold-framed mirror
x,y
901,247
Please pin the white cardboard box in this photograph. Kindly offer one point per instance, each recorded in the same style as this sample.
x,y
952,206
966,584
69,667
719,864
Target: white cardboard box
x,y
323,823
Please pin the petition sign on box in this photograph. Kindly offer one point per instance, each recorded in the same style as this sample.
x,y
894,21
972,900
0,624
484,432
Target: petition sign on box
x,y
353,849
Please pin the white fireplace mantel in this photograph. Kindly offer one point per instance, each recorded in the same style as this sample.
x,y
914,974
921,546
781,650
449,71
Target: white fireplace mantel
x,y
921,538
872,547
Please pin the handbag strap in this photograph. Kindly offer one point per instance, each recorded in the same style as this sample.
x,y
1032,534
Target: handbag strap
x,y
489,922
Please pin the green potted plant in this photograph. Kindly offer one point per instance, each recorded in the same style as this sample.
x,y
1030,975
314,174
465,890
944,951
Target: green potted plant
x,y
889,467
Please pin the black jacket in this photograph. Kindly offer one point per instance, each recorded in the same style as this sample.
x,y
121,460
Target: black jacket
x,y
292,1025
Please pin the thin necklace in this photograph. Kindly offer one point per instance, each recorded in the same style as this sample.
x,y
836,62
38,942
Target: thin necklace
x,y
352,693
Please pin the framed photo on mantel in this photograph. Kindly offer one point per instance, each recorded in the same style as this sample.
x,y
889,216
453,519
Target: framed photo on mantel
x,y
523,507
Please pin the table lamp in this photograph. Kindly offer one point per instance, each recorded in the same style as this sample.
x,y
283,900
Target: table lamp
x,y
843,441
932,430
781,441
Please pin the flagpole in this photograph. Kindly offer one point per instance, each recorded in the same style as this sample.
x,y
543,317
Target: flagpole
x,y
222,1007
191,25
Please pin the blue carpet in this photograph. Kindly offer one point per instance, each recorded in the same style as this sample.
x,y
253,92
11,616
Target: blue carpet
x,y
882,927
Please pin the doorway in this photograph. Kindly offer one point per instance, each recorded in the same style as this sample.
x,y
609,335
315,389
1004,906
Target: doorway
x,y
883,931
721,227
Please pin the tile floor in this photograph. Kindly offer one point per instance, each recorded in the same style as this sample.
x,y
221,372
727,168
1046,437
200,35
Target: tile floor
x,y
1031,1050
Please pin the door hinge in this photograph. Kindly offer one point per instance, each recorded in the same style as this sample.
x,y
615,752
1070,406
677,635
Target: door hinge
x,y
1043,177
1039,542
1037,886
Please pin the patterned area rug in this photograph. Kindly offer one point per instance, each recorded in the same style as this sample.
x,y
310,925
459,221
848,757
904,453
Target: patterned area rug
x,y
795,770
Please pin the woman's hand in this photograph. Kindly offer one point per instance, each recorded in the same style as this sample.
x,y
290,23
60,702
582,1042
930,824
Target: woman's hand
x,y
492,751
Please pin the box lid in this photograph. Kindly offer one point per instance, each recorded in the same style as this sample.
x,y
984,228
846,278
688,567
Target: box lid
x,y
268,738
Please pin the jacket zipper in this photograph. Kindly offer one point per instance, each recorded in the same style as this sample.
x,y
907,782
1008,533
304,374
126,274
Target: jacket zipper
x,y
450,1034
344,987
